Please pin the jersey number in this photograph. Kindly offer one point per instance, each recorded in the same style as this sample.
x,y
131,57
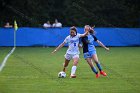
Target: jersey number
x,y
74,44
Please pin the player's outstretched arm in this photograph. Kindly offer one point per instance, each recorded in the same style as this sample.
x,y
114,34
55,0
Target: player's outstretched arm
x,y
60,46
83,35
102,45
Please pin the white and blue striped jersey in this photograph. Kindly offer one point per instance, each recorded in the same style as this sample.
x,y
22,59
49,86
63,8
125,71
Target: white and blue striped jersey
x,y
73,44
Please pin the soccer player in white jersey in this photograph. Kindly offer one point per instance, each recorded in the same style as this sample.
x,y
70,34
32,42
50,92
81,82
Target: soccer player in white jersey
x,y
73,50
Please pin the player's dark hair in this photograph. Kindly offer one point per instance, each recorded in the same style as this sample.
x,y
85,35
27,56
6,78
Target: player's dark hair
x,y
74,29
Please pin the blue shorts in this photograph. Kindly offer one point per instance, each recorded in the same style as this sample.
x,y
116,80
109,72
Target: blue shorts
x,y
89,54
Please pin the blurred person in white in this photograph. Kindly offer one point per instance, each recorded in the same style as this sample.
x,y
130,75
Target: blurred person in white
x,y
47,24
7,25
57,24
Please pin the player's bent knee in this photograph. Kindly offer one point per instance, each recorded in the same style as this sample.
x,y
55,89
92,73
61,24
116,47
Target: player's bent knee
x,y
75,63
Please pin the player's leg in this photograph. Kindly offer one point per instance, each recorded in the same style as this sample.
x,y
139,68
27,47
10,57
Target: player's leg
x,y
67,60
66,63
95,58
88,58
93,68
74,67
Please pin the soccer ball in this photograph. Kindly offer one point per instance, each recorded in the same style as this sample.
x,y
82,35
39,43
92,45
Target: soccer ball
x,y
62,74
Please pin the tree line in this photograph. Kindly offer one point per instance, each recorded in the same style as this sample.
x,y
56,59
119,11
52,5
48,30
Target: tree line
x,y
102,13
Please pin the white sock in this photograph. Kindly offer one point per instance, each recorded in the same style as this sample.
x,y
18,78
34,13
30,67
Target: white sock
x,y
73,70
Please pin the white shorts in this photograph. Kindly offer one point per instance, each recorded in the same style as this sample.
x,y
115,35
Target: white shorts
x,y
71,56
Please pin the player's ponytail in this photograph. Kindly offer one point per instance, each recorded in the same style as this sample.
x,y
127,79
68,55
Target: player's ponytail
x,y
91,31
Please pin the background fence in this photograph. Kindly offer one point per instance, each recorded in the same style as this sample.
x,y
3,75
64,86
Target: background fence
x,y
54,36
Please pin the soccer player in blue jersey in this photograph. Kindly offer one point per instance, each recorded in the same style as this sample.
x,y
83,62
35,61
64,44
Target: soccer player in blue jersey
x,y
89,50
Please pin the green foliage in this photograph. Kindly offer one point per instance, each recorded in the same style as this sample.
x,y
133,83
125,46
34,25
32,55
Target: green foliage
x,y
102,13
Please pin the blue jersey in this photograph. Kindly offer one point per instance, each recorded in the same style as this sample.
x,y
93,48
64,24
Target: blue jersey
x,y
88,43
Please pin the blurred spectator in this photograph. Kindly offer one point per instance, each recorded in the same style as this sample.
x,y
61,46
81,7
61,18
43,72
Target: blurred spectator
x,y
47,25
7,25
57,24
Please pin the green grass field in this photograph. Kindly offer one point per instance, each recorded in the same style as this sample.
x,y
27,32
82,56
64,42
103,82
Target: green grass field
x,y
35,69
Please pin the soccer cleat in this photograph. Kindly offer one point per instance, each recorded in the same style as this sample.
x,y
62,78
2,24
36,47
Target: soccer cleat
x,y
103,73
73,76
97,75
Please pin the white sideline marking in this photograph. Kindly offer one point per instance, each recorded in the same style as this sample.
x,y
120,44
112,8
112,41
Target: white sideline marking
x,y
5,59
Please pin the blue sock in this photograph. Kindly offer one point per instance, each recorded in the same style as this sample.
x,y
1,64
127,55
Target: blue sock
x,y
99,66
94,70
